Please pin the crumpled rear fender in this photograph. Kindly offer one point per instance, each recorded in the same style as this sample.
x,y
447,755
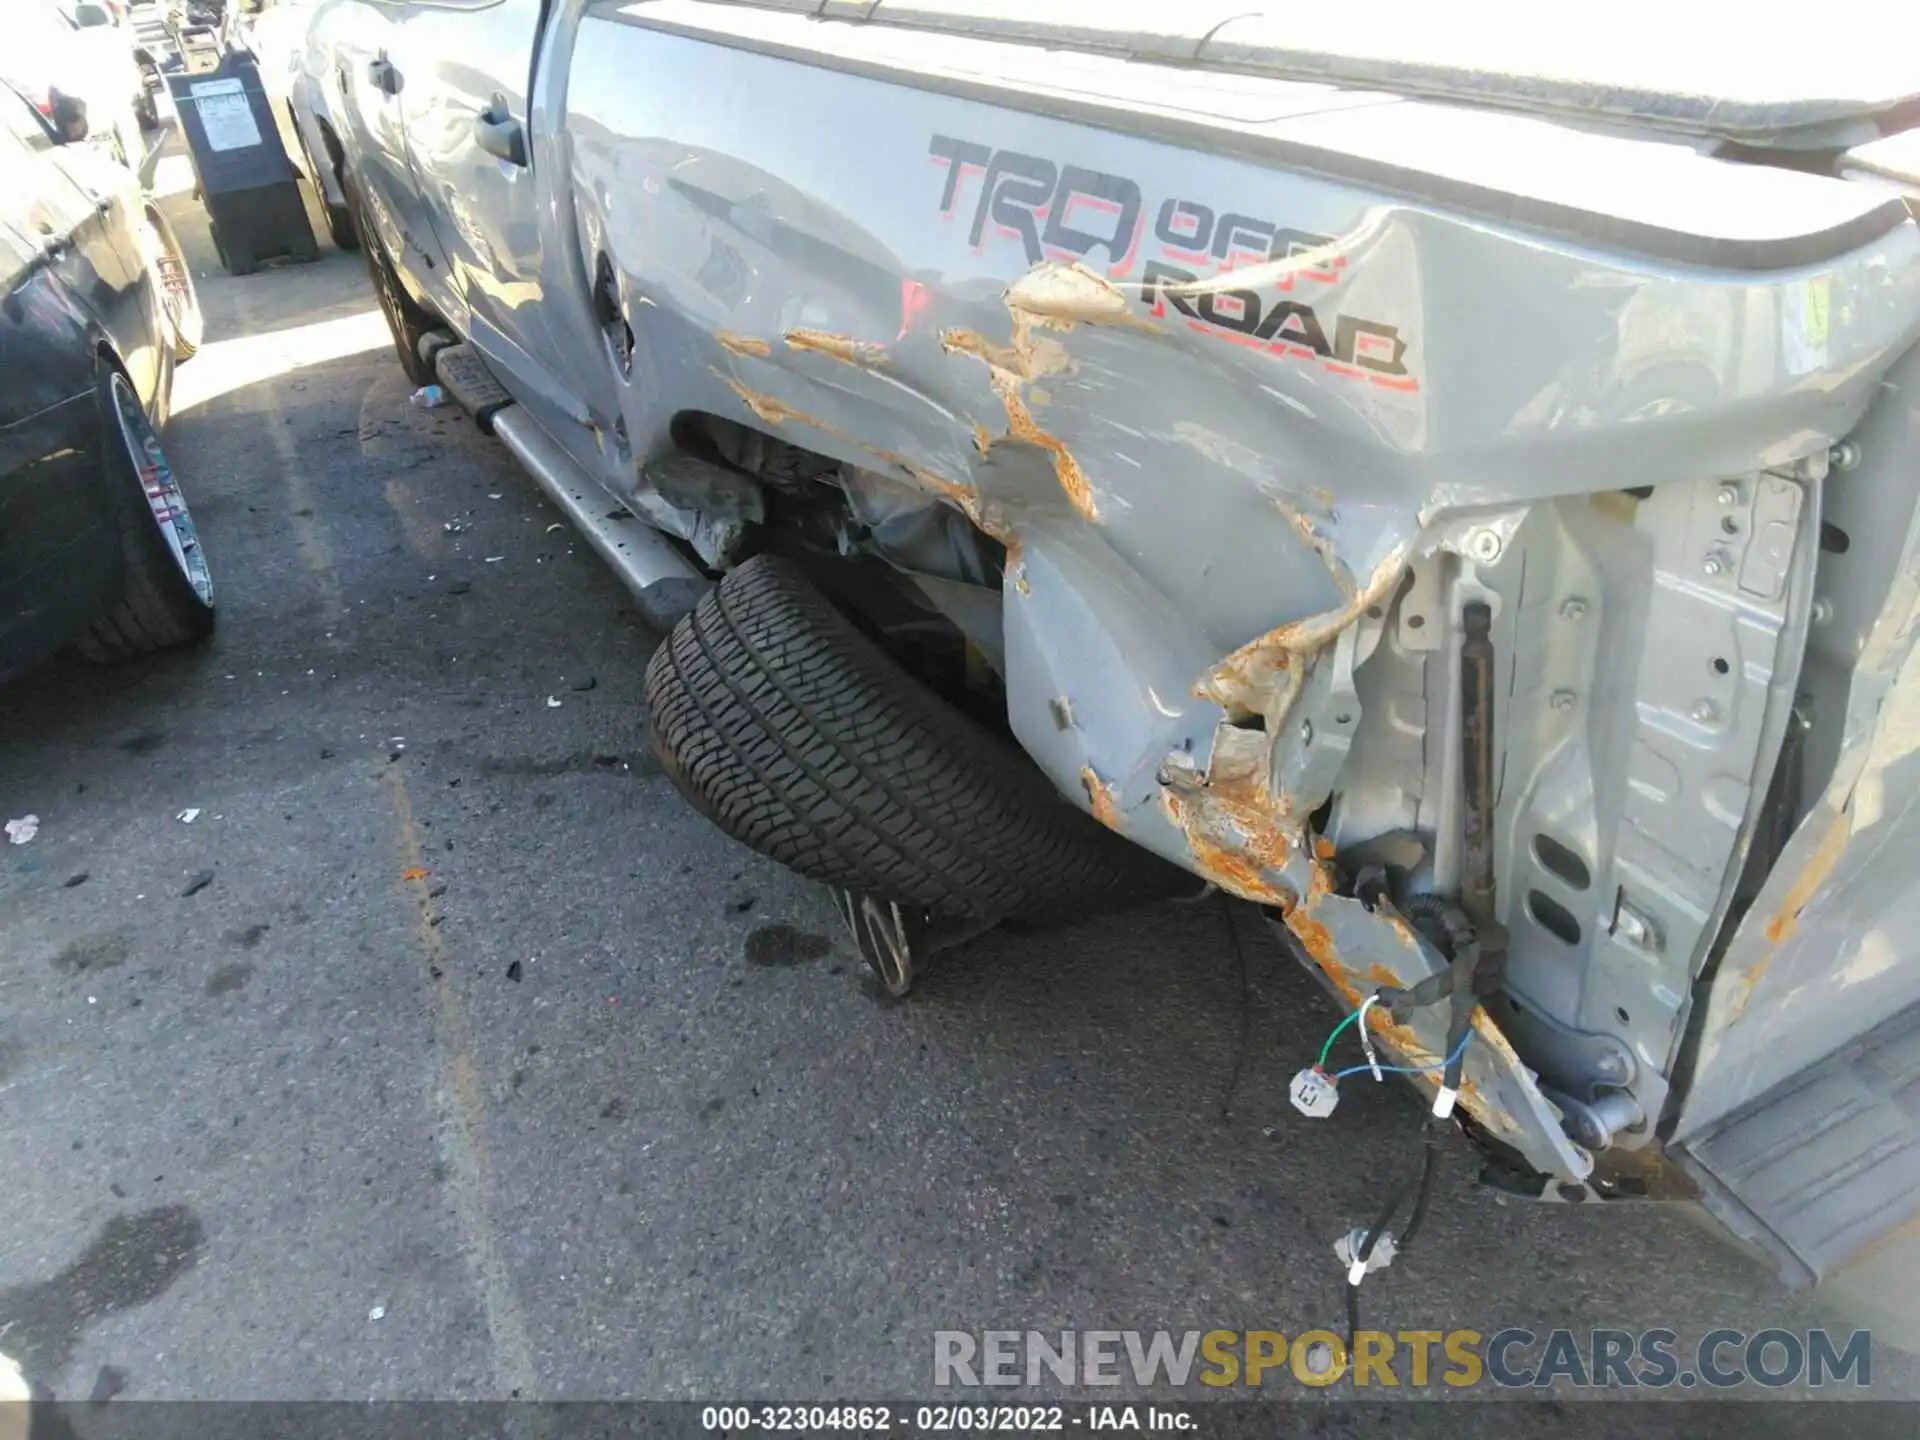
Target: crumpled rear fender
x,y
1243,428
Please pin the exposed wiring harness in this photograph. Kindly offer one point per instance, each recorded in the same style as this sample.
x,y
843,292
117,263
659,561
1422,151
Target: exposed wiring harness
x,y
1462,982
1366,1035
1466,932
1452,1060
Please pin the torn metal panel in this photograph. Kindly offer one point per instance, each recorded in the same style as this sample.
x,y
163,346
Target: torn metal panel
x,y
773,411
1241,836
1064,295
743,345
1823,948
1009,369
1821,952
708,506
863,354
1100,799
1048,296
912,530
1263,676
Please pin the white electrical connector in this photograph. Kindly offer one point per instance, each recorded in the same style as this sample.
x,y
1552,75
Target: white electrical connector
x,y
1366,1035
1348,1247
1313,1093
1443,1102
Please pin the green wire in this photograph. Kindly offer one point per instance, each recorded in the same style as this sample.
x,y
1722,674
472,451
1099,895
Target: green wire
x,y
1327,1049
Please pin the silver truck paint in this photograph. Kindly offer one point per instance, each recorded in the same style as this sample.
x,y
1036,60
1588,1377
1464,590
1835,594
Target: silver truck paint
x,y
1261,381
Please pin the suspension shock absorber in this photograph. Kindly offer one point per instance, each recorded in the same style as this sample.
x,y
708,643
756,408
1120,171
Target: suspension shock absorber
x,y
1476,764
1477,780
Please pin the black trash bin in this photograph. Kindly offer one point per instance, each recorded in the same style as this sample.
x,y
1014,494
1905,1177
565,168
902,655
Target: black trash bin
x,y
247,184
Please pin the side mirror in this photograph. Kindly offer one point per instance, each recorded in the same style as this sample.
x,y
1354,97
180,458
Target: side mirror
x,y
68,118
91,17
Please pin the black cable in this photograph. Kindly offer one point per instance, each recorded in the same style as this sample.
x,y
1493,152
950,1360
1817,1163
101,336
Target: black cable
x,y
1470,969
1246,1011
1429,1171
1365,1253
1459,1019
1432,1131
1456,941
1372,1238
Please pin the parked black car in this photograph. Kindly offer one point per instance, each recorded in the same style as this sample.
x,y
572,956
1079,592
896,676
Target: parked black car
x,y
97,548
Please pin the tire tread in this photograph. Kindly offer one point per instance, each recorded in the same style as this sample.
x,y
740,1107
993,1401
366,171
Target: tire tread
x,y
800,738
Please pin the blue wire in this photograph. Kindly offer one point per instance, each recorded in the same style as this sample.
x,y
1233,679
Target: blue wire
x,y
1459,1050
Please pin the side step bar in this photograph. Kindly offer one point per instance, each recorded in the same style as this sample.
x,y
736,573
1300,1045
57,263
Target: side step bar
x,y
467,378
662,580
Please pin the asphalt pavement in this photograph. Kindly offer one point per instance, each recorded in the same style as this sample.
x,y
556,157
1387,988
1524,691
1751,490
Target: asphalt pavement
x,y
446,1052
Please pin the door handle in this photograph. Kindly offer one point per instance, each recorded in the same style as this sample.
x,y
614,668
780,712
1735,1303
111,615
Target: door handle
x,y
500,135
383,77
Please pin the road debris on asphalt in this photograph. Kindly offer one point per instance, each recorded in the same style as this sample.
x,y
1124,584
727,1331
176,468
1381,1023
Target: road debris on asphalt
x,y
428,397
553,702
72,880
585,682
414,872
378,1312
20,831
513,972
188,815
198,883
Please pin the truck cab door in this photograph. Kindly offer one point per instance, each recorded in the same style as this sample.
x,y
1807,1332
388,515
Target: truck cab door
x,y
471,148
371,68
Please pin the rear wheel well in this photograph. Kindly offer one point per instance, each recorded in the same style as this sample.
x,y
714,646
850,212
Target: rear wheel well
x,y
811,523
335,155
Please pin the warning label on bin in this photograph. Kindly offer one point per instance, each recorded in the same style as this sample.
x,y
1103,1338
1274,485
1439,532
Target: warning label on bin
x,y
225,115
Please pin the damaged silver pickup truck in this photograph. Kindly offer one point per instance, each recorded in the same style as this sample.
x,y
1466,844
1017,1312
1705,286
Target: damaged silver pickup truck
x,y
1460,496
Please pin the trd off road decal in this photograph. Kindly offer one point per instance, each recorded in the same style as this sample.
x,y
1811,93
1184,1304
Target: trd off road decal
x,y
1071,213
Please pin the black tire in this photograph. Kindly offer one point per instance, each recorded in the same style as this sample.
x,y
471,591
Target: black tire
x,y
168,599
340,226
797,736
406,320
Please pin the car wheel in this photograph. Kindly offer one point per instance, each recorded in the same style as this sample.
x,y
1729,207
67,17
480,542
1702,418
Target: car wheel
x,y
797,736
168,599
340,226
173,279
406,321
